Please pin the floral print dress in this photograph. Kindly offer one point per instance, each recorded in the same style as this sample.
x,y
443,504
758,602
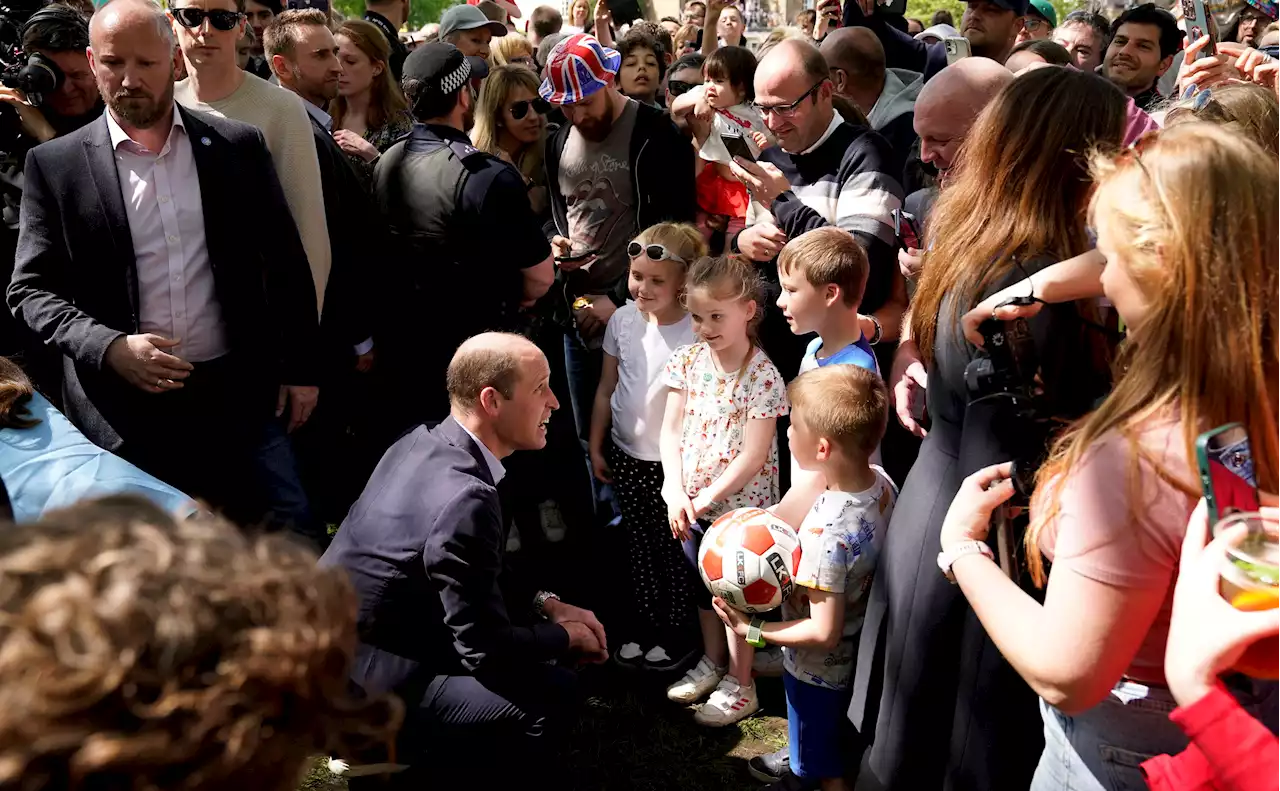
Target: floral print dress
x,y
717,406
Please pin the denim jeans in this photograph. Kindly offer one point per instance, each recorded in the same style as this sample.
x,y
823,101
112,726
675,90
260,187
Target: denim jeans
x,y
583,367
1103,748
277,473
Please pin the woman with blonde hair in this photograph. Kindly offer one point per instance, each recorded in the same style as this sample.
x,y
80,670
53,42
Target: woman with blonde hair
x,y
512,48
579,17
510,125
685,41
1187,220
1014,203
369,113
1248,109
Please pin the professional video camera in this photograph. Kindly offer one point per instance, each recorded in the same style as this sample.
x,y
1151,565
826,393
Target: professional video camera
x,y
32,73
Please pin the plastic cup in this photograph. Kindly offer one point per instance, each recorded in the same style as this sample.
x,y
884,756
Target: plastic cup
x,y
1251,581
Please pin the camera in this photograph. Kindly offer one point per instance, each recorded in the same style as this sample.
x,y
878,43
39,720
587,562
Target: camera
x,y
30,72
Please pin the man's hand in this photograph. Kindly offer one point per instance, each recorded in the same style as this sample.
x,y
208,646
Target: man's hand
x,y
33,121
762,241
910,381
764,181
582,641
593,319
910,261
559,612
301,400
138,360
561,247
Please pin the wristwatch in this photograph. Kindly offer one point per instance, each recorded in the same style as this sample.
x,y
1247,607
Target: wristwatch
x,y
948,557
540,602
755,637
879,331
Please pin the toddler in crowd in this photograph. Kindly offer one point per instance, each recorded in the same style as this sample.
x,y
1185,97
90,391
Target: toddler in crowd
x,y
725,99
838,418
626,428
719,453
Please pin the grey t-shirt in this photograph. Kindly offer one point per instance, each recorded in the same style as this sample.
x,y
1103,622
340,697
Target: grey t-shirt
x,y
595,179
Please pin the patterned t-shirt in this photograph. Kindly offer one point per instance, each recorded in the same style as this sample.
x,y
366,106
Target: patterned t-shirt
x,y
717,407
839,544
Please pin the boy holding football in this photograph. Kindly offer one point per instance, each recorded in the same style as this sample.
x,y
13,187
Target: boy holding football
x,y
838,416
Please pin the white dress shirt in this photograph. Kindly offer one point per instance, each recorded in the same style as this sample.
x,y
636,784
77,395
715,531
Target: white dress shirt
x,y
176,294
491,461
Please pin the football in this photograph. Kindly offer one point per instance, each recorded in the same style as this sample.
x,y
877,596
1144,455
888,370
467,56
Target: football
x,y
748,558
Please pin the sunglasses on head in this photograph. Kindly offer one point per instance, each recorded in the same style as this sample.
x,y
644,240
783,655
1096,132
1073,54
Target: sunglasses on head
x,y
221,19
656,252
521,108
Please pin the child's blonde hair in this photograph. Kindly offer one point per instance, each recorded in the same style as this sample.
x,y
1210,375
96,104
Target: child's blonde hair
x,y
828,256
729,277
679,238
847,404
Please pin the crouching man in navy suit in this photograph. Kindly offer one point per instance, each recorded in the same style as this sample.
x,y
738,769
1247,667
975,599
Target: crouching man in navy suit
x,y
424,546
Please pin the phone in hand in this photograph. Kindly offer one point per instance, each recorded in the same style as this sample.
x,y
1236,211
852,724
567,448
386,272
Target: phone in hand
x,y
737,146
1196,18
904,227
572,257
957,48
1225,461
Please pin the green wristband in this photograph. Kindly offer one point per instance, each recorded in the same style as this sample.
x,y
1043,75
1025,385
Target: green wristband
x,y
755,636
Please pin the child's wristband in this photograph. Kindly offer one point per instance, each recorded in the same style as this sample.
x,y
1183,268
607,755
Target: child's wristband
x,y
755,636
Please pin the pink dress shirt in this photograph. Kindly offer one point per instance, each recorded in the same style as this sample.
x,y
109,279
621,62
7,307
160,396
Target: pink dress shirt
x,y
166,222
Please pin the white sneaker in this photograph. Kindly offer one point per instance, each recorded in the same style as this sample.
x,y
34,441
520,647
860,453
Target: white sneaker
x,y
768,662
629,652
696,682
729,703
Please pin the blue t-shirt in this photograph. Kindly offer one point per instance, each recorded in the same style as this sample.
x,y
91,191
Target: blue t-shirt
x,y
857,353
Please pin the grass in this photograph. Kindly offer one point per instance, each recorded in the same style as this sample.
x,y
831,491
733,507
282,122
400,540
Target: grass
x,y
630,738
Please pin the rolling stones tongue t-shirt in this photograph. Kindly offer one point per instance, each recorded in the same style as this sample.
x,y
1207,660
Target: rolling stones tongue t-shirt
x,y
595,179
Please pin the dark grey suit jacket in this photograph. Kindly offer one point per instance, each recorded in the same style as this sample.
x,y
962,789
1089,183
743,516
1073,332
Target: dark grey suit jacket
x,y
424,546
75,280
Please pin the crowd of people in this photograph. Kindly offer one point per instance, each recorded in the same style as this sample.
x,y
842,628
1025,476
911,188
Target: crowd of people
x,y
403,309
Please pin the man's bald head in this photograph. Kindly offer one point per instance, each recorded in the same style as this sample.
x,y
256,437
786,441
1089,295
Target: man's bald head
x,y
120,14
490,359
950,102
793,56
857,51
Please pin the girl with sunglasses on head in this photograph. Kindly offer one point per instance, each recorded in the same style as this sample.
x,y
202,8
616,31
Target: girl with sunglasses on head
x,y
626,427
370,113
510,125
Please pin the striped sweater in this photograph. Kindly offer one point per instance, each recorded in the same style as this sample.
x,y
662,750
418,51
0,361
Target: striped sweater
x,y
846,179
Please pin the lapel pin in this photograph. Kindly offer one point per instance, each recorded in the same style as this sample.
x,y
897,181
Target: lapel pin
x,y
206,141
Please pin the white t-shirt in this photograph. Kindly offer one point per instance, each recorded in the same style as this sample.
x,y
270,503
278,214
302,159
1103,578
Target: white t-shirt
x,y
739,120
642,348
840,542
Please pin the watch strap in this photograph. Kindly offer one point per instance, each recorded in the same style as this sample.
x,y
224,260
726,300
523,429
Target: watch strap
x,y
947,558
755,635
540,602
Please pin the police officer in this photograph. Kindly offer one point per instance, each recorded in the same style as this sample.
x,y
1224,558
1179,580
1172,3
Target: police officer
x,y
467,252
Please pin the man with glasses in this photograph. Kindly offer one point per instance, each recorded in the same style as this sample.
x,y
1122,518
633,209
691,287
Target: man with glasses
x,y
1039,22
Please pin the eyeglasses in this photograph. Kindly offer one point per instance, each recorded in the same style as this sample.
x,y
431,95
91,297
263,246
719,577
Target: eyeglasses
x,y
788,110
679,87
1031,24
521,108
656,252
221,19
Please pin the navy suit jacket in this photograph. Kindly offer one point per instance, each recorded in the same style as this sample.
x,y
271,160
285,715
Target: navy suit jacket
x,y
424,546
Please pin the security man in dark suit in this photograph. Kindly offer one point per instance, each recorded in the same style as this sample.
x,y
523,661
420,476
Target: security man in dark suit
x,y
424,545
178,337
467,251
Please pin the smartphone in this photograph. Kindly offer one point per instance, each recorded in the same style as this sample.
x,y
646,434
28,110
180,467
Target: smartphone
x,y
957,48
1225,460
904,227
580,256
738,147
1196,20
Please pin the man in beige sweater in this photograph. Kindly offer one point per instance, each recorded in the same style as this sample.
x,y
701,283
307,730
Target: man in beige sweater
x,y
207,32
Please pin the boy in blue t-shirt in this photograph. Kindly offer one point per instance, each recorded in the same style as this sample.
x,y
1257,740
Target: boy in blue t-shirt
x,y
823,275
838,416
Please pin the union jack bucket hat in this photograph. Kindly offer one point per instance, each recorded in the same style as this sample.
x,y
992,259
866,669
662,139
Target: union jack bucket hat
x,y
578,67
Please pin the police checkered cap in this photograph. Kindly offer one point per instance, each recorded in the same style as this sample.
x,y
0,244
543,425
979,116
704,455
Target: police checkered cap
x,y
578,67
442,68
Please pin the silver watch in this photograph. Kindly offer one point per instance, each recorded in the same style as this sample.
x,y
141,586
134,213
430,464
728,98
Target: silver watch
x,y
540,602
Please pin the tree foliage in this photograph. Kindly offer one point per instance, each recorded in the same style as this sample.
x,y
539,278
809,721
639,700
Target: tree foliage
x,y
420,11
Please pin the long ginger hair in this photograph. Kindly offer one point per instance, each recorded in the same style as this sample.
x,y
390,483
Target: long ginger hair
x,y
1019,189
1192,217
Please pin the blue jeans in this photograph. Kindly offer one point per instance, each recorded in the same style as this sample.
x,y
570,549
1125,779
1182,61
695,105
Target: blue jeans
x,y
583,367
277,474
1103,748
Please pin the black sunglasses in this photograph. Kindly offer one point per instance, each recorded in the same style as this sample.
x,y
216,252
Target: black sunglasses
x,y
678,87
656,252
521,108
194,17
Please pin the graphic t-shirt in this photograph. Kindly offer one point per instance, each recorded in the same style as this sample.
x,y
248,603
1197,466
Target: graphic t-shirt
x,y
717,406
840,542
857,353
595,180
642,348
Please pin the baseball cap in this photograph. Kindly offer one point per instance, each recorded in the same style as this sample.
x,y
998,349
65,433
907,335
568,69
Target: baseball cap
x,y
468,17
937,32
442,68
1045,9
511,8
578,67
1018,7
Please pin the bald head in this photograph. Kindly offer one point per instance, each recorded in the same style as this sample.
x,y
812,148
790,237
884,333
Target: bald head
x,y
790,57
490,359
129,14
857,51
949,103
